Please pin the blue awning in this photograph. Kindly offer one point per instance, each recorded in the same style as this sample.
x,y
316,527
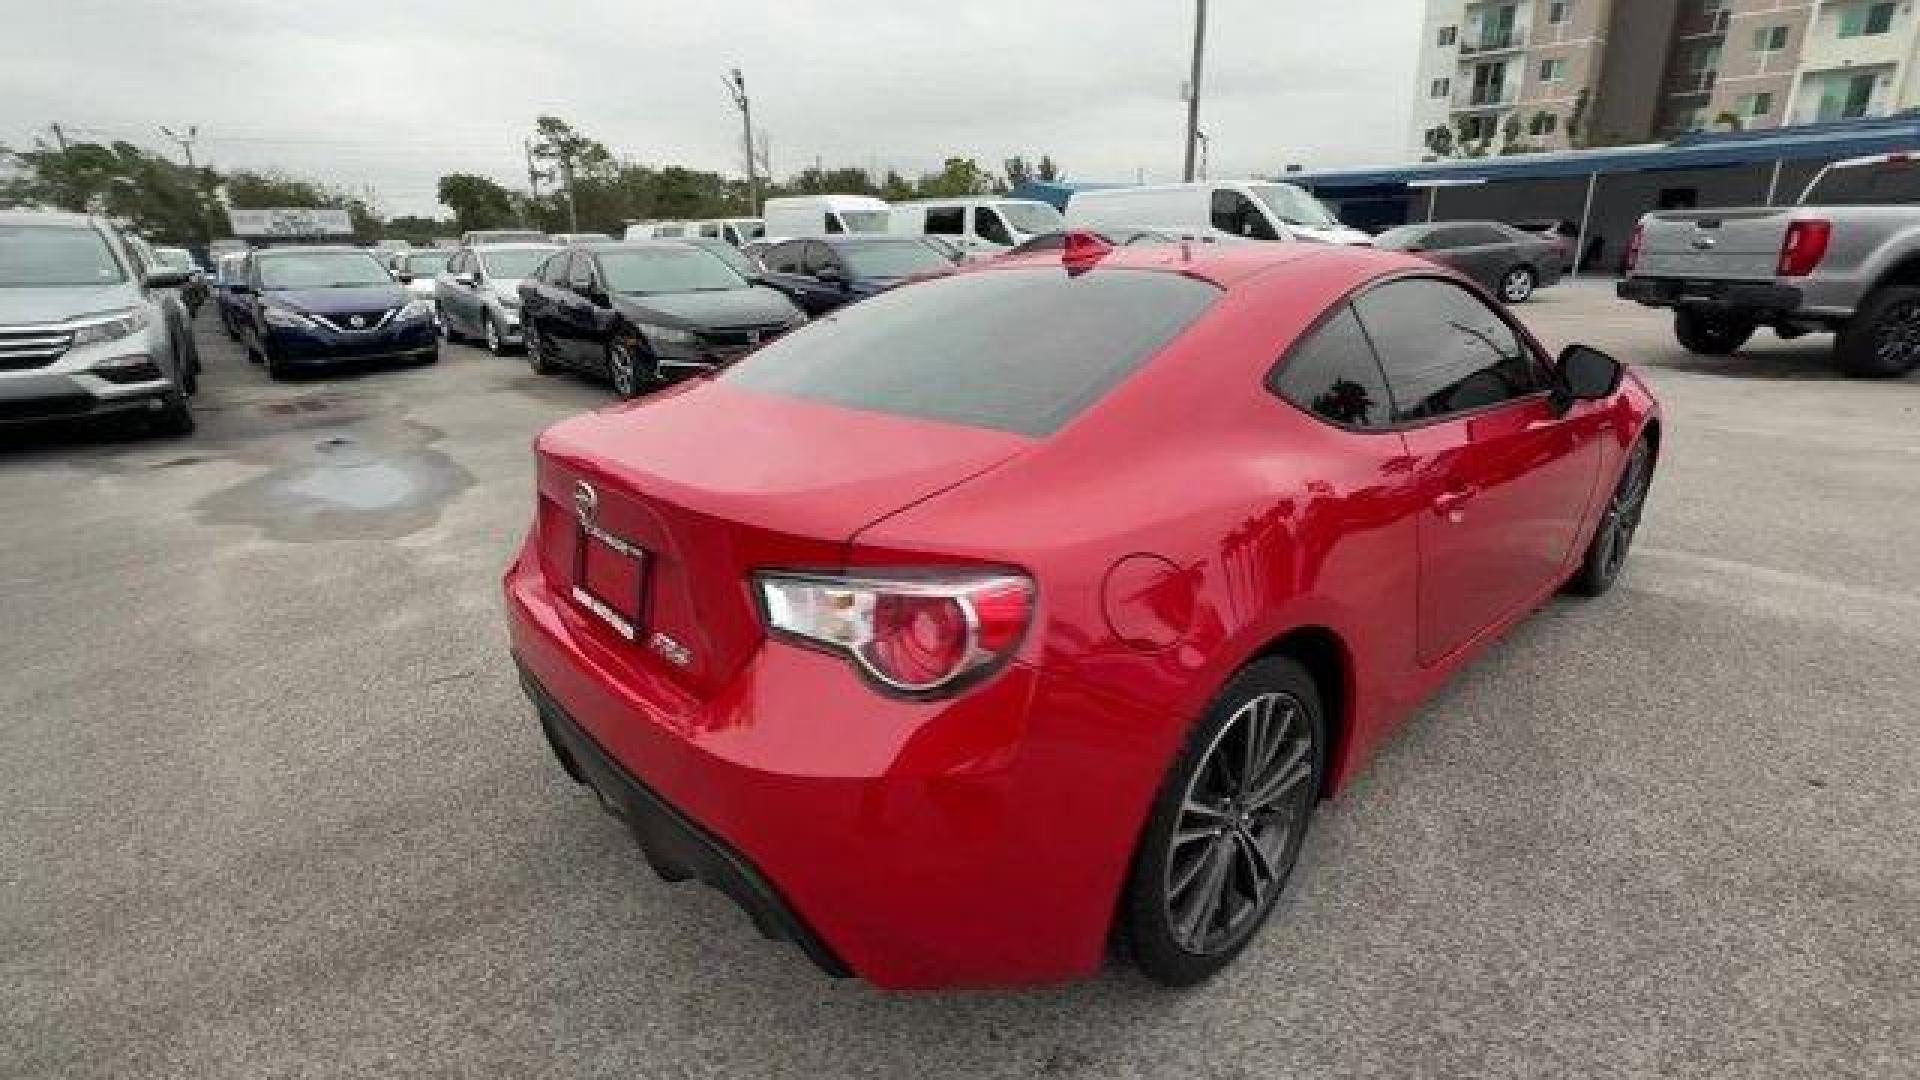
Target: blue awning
x,y
1700,150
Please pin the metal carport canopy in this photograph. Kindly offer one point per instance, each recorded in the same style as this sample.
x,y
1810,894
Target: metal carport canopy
x,y
1701,150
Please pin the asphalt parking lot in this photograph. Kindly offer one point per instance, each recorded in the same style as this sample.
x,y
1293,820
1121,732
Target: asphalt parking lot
x,y
274,805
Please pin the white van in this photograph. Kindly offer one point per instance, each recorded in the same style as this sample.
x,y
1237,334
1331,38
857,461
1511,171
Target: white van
x,y
1258,210
734,230
980,228
822,215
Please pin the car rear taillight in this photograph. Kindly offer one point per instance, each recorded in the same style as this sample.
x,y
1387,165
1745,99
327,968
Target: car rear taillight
x,y
1805,245
916,632
1633,245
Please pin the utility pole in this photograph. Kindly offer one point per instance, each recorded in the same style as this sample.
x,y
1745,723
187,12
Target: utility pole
x,y
1193,83
60,136
534,175
193,172
737,86
1205,145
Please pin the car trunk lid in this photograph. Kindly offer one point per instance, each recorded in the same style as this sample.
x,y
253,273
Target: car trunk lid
x,y
1719,245
656,516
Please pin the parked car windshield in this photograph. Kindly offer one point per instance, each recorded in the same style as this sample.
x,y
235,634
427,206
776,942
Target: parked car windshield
x,y
321,270
1021,350
889,260
1896,182
726,253
1032,218
642,271
514,262
427,263
1294,206
54,256
873,221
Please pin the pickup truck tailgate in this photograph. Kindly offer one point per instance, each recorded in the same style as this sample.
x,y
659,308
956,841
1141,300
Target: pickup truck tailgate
x,y
1719,245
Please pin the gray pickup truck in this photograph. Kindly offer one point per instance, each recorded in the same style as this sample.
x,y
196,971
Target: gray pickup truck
x,y
1845,260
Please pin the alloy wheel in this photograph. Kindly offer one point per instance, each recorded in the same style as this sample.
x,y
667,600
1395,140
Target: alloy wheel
x,y
1225,860
620,366
1624,509
1517,286
1896,341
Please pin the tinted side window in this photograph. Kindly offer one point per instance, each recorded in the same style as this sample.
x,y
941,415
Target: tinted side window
x,y
1236,214
783,258
580,270
1484,234
1334,375
1449,237
833,223
1443,350
988,226
710,230
946,220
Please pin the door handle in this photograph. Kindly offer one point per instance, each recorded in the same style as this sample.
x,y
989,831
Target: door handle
x,y
1449,504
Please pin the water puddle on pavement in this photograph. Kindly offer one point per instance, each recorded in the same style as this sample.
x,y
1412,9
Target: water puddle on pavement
x,y
378,483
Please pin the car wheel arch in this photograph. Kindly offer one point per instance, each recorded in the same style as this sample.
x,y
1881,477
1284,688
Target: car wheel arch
x,y
1329,660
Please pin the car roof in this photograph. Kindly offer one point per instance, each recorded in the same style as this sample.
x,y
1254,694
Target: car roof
x,y
290,249
49,217
859,239
1227,265
516,245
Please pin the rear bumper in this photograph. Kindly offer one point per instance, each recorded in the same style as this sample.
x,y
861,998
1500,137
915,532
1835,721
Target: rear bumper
x,y
1762,296
676,846
980,840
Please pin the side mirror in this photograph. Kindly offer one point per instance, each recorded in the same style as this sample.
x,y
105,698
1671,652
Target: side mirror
x,y
403,277
831,275
167,279
1587,374
468,279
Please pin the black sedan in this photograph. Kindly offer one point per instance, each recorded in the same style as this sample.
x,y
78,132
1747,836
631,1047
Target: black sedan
x,y
823,273
1509,262
644,313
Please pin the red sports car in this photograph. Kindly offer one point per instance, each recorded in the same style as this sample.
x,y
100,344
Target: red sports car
x,y
992,618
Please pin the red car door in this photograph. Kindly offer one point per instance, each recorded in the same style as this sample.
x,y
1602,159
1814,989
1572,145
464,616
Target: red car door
x,y
1504,477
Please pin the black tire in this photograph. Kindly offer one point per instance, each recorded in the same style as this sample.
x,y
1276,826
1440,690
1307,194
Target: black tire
x,y
278,370
1708,332
176,420
1882,340
1194,827
447,333
536,349
187,364
431,356
1619,522
1517,284
226,323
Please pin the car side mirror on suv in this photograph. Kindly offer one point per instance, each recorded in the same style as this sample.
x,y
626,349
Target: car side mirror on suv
x,y
167,278
1584,373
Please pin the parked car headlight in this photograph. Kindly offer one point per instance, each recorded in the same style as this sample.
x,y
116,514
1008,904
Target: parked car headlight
x,y
667,335
125,325
415,309
285,318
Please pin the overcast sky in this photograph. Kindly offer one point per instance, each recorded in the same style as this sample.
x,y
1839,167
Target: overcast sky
x,y
392,93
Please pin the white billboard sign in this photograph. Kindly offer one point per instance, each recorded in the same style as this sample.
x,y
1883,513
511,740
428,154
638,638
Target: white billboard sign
x,y
291,221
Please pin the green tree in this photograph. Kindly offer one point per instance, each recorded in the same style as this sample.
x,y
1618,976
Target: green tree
x,y
1577,119
1439,139
959,177
1047,173
1018,171
477,202
158,197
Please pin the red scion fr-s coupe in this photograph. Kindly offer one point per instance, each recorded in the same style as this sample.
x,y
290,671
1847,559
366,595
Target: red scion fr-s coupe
x,y
1019,610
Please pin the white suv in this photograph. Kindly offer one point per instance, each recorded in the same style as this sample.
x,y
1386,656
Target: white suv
x,y
87,327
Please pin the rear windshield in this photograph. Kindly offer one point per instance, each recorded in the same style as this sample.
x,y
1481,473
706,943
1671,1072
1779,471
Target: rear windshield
x,y
1891,183
1017,350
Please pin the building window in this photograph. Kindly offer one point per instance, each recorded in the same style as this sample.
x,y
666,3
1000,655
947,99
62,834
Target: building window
x,y
1754,105
1770,39
1557,12
1543,123
1447,36
1553,69
1863,20
1440,88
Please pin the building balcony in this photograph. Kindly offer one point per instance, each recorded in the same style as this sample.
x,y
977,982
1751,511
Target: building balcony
x,y
1494,42
1692,84
1485,100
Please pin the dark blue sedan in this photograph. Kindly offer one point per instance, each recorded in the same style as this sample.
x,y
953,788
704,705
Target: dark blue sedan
x,y
822,273
313,306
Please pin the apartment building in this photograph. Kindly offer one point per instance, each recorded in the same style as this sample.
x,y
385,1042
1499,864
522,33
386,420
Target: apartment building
x,y
1552,74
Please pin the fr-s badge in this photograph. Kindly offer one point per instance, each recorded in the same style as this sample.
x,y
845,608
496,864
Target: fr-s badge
x,y
670,650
